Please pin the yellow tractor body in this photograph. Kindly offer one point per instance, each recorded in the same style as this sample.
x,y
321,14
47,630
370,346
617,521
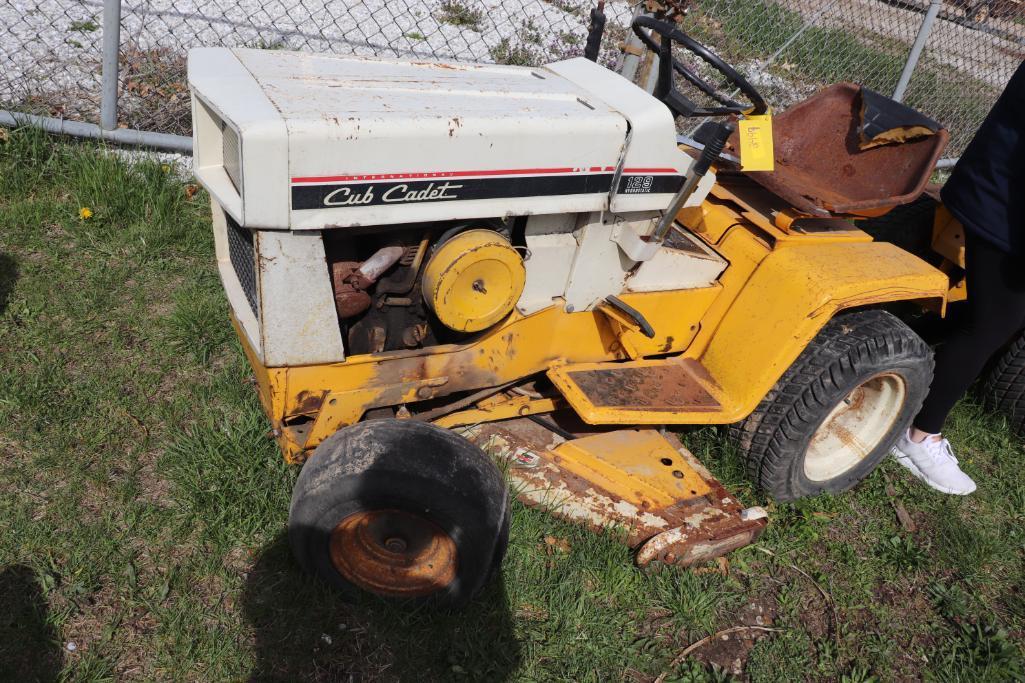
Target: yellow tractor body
x,y
412,324
727,344
717,352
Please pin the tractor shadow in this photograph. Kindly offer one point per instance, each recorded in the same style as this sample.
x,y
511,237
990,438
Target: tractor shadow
x,y
304,631
29,648
8,276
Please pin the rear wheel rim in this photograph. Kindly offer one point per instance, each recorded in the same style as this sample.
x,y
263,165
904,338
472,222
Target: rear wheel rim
x,y
855,427
394,553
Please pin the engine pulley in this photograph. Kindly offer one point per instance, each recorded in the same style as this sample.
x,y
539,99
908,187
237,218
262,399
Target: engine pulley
x,y
473,280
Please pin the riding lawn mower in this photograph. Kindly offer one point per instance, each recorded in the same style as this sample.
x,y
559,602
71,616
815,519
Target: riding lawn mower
x,y
452,278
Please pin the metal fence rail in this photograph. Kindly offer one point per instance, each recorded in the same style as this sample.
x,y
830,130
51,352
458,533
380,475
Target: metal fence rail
x,y
104,68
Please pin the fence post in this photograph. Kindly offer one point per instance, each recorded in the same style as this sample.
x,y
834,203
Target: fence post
x,y
111,47
632,48
916,50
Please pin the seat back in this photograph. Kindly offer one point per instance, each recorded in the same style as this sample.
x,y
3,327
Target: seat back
x,y
822,170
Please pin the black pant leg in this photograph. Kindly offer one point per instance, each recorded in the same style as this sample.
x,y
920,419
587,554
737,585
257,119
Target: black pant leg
x,y
996,310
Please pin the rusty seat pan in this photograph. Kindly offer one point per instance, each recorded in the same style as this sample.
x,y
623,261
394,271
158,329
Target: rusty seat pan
x,y
821,169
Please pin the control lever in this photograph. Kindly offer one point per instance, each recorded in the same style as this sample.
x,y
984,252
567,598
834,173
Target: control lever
x,y
595,31
708,155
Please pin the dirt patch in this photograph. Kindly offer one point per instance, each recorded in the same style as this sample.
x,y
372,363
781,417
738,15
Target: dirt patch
x,y
816,618
729,652
153,488
91,622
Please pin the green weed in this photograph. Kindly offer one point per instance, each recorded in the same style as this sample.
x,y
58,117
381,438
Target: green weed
x,y
84,26
977,649
514,53
902,552
461,14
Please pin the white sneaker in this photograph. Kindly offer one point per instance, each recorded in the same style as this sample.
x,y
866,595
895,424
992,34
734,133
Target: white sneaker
x,y
933,462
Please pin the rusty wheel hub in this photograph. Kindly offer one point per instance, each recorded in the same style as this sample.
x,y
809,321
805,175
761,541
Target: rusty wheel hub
x,y
855,427
393,552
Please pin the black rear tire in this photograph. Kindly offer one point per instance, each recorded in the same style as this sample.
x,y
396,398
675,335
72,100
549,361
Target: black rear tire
x,y
1004,386
409,477
853,351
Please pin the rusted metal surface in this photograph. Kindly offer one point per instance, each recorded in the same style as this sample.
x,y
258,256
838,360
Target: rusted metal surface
x,y
351,280
700,539
855,427
308,402
821,169
393,552
453,406
691,529
350,297
489,410
665,386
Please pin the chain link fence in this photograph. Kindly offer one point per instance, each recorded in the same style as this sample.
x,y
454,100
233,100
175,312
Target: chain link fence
x,y
51,50
50,57
156,34
791,48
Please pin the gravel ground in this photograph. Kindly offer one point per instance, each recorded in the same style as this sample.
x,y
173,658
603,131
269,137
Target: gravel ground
x,y
179,164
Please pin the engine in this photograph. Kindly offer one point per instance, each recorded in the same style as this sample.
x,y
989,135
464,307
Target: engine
x,y
418,286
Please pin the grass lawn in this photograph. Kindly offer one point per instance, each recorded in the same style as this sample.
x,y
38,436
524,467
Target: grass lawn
x,y
143,506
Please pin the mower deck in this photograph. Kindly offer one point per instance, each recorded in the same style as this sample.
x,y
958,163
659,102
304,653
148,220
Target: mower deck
x,y
670,508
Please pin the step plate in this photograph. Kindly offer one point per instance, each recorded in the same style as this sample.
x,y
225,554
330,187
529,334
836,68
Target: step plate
x,y
642,391
617,478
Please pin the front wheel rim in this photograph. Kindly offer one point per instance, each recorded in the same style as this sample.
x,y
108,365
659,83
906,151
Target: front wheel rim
x,y
855,427
394,553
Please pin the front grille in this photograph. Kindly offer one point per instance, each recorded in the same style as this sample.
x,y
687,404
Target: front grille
x,y
243,260
231,157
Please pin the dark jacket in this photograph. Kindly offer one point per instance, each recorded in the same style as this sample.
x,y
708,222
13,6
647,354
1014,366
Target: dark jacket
x,y
986,191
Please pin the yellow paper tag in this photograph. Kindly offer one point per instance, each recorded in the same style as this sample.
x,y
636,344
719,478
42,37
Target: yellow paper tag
x,y
756,143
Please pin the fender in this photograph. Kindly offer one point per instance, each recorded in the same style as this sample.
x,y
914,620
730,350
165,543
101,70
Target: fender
x,y
794,291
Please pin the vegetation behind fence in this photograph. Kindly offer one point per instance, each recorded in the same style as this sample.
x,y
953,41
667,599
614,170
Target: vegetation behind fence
x,y
51,50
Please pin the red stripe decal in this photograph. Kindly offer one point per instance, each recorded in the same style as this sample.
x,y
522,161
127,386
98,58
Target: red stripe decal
x,y
432,174
650,170
461,174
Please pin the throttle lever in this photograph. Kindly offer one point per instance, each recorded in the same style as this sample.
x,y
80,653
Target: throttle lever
x,y
708,155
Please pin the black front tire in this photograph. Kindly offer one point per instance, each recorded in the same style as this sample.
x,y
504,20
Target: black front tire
x,y
424,473
851,350
1004,386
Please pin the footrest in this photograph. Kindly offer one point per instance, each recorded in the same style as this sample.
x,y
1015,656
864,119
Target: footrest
x,y
648,391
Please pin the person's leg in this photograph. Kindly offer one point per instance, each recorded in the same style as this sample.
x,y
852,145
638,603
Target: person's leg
x,y
996,310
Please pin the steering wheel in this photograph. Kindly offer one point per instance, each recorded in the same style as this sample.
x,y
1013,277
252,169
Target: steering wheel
x,y
665,88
